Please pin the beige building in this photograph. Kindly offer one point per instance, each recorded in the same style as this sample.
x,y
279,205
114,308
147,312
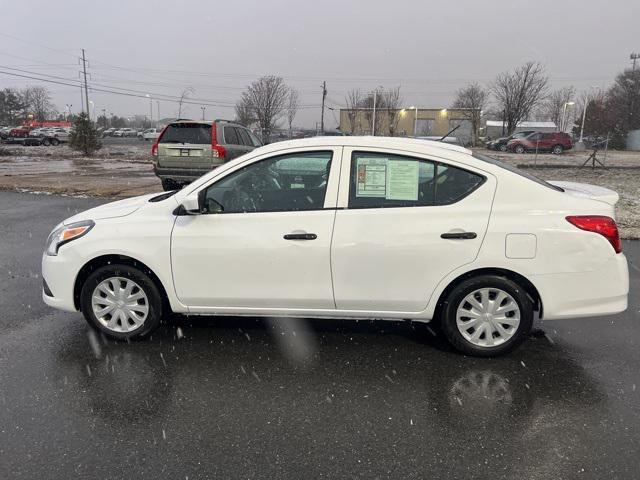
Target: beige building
x,y
410,122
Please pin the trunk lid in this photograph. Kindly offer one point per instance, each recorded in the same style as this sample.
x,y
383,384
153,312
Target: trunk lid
x,y
585,190
186,145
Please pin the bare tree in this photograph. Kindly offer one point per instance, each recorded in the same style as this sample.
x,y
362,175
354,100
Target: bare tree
x,y
292,107
519,92
183,96
391,101
38,102
473,97
353,100
371,102
244,113
267,98
554,106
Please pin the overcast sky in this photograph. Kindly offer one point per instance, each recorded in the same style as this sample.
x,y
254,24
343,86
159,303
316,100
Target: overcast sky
x,y
429,48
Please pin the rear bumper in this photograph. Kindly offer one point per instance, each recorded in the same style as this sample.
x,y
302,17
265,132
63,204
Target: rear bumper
x,y
585,294
184,174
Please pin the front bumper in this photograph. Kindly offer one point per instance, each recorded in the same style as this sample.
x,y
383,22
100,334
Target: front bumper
x,y
59,273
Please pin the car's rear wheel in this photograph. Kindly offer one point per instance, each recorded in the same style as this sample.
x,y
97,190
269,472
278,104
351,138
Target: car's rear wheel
x,y
519,149
55,142
122,302
557,149
46,142
503,148
168,185
487,315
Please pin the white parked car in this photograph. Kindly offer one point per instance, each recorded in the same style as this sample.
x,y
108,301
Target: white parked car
x,y
348,227
149,134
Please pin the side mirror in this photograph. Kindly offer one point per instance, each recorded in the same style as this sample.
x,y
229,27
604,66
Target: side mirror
x,y
191,204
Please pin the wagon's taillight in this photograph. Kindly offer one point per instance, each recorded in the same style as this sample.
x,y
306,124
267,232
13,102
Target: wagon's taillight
x,y
154,150
605,226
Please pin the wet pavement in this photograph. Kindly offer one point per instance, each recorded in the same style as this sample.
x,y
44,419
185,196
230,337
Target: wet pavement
x,y
247,398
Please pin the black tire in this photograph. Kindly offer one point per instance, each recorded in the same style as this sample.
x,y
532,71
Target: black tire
x,y
46,142
169,185
455,298
557,149
503,148
519,149
146,284
55,142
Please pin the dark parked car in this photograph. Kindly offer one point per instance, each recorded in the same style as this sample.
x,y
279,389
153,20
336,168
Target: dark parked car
x,y
554,142
501,143
187,149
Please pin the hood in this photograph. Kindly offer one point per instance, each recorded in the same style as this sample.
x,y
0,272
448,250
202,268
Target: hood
x,y
585,190
121,208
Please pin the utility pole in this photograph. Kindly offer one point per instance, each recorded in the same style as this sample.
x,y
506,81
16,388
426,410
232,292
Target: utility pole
x,y
634,57
158,102
373,121
86,89
324,94
203,109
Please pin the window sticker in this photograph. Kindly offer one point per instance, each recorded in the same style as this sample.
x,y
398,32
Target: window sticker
x,y
402,180
372,177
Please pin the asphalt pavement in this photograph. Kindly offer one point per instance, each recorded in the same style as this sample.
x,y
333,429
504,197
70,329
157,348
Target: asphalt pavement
x,y
252,398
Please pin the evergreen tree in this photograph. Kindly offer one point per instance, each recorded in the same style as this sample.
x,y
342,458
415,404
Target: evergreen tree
x,y
84,136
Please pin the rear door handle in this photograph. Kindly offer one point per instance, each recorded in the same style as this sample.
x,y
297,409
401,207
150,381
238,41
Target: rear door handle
x,y
459,235
300,236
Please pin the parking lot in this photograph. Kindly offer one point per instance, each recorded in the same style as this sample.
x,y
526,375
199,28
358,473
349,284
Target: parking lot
x,y
242,397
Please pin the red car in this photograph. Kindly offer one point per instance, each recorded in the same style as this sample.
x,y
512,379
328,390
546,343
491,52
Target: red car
x,y
554,142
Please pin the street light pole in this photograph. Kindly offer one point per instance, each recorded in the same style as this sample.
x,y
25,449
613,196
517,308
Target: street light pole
x,y
203,109
415,122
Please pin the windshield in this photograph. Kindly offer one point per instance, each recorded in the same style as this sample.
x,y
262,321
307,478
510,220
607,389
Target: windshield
x,y
196,133
517,171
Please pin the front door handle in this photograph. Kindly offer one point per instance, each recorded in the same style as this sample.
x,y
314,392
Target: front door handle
x,y
459,235
300,236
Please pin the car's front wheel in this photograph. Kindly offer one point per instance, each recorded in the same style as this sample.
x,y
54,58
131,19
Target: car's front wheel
x,y
487,315
503,148
519,149
122,302
557,149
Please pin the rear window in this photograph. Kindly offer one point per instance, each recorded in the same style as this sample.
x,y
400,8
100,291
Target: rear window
x,y
515,170
197,133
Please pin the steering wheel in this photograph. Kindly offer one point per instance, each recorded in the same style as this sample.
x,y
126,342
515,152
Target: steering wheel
x,y
240,200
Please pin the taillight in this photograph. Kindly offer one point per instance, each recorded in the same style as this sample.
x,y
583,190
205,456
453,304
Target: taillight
x,y
605,226
154,150
218,151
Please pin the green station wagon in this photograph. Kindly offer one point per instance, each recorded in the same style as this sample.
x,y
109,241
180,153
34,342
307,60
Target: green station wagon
x,y
187,149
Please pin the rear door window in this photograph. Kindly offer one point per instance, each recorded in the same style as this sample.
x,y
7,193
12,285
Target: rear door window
x,y
381,180
230,136
244,137
194,133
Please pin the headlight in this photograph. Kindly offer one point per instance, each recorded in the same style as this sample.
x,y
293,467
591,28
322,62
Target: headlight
x,y
66,233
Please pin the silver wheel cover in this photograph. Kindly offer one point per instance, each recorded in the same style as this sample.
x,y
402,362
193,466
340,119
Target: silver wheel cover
x,y
119,304
488,317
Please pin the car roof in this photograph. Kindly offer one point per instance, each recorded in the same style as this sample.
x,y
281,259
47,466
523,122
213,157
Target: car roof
x,y
207,122
400,143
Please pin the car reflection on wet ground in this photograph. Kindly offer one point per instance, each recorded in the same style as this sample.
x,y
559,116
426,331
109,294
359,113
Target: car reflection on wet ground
x,y
222,397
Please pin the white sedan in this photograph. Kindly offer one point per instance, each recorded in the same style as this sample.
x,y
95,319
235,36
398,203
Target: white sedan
x,y
348,227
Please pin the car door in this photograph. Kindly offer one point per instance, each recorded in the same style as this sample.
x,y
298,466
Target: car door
x,y
263,238
404,221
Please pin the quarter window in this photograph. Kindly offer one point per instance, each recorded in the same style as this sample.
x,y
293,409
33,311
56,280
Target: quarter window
x,y
380,180
293,182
